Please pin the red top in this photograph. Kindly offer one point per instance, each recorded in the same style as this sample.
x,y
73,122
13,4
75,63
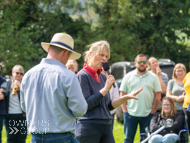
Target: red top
x,y
92,72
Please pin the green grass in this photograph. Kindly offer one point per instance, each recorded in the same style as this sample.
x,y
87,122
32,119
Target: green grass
x,y
118,132
4,136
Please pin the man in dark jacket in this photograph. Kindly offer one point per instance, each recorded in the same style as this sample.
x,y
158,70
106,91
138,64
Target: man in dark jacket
x,y
2,105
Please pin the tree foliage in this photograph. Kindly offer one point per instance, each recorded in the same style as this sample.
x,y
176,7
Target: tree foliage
x,y
24,24
154,27
144,26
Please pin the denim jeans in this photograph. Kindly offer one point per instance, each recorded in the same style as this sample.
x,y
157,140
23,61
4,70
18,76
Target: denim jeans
x,y
16,128
1,126
168,138
54,138
131,123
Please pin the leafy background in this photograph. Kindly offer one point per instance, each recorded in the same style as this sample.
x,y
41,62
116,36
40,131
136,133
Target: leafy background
x,y
156,28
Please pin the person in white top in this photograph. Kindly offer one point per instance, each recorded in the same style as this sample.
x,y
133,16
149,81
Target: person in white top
x,y
114,94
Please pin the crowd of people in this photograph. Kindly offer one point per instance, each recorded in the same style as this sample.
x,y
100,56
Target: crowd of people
x,y
56,103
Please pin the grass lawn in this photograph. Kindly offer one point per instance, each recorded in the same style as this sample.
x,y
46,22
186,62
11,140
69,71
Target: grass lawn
x,y
118,132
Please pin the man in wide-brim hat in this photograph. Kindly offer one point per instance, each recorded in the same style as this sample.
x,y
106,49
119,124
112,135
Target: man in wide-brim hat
x,y
51,95
63,41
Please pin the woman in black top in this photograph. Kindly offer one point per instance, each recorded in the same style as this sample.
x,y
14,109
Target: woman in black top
x,y
96,125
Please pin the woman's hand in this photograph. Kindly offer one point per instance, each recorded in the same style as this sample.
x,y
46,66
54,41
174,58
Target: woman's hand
x,y
109,82
124,97
133,95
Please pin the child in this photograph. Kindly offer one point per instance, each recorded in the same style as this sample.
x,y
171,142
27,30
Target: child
x,y
72,65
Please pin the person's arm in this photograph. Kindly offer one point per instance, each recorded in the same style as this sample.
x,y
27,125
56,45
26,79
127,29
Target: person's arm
x,y
109,82
157,97
154,125
1,94
123,98
169,94
177,124
169,91
22,101
163,86
174,97
76,101
164,77
3,88
181,97
124,105
93,99
162,82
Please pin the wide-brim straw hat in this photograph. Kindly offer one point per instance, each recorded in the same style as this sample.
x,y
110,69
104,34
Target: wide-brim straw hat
x,y
62,40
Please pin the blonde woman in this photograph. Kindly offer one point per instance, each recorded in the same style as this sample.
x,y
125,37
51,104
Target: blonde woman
x,y
175,88
96,125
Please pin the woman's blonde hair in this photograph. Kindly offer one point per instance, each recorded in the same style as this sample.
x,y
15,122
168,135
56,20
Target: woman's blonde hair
x,y
173,108
179,65
18,67
96,48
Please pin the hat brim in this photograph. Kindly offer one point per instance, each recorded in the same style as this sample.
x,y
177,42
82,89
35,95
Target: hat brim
x,y
74,55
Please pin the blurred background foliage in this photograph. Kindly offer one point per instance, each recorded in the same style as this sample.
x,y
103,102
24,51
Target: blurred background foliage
x,y
158,28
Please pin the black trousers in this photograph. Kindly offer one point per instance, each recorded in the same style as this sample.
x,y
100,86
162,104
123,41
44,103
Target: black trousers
x,y
16,128
187,117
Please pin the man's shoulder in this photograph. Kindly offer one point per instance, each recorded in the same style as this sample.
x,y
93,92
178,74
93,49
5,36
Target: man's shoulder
x,y
33,69
42,67
152,74
131,73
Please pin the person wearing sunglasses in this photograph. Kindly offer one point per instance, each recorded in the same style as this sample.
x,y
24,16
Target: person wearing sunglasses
x,y
153,66
15,121
139,111
169,134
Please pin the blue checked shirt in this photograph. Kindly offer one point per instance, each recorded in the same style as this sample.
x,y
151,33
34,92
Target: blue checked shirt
x,y
52,98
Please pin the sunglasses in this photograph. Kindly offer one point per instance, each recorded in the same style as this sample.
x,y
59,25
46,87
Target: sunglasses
x,y
19,73
139,62
166,105
179,70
